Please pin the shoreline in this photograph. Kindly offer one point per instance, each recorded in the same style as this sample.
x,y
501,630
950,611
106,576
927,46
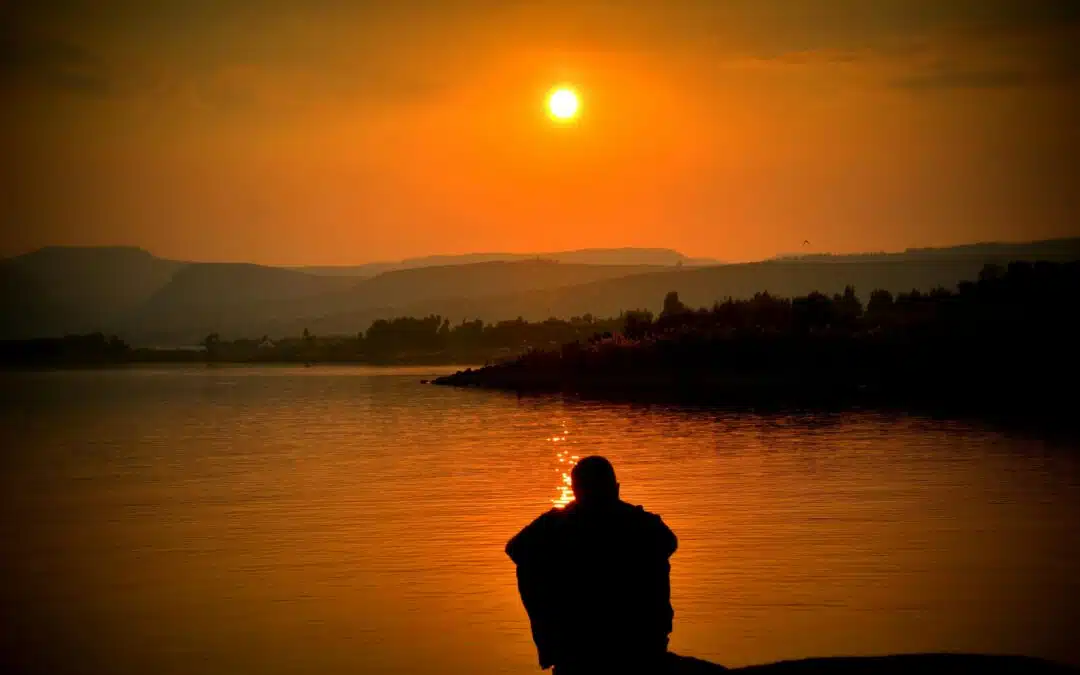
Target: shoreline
x,y
1023,409
211,365
894,664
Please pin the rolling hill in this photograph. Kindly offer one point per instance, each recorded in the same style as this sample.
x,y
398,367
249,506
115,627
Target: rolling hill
x,y
58,290
249,300
227,298
150,301
700,287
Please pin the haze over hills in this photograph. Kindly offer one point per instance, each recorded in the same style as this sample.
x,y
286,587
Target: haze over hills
x,y
223,297
246,300
701,287
588,256
70,289
151,301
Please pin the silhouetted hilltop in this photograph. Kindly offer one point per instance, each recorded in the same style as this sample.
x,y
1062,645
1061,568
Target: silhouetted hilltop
x,y
57,290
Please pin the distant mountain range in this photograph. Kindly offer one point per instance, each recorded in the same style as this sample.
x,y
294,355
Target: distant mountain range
x,y
586,256
153,301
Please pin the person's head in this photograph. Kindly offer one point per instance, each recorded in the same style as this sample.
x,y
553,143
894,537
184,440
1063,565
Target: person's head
x,y
593,481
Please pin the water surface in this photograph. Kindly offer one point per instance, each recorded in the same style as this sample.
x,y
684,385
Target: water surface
x,y
348,520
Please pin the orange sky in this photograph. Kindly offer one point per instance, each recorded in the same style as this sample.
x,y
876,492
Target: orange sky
x,y
328,132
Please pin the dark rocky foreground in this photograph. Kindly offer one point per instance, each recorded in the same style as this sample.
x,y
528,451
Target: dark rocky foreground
x,y
901,664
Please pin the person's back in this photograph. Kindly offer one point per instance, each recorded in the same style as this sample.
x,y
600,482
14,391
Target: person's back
x,y
594,578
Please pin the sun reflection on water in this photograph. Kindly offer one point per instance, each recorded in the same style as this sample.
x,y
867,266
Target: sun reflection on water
x,y
564,465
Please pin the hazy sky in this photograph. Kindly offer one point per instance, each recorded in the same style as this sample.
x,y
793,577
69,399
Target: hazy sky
x,y
319,131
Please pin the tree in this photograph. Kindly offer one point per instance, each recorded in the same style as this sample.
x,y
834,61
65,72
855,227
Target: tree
x,y
212,344
308,349
991,272
672,304
116,348
847,307
881,302
637,324
813,311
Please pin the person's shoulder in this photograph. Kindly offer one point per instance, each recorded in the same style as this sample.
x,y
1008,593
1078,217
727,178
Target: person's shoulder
x,y
647,519
533,536
552,515
654,527
548,520
638,511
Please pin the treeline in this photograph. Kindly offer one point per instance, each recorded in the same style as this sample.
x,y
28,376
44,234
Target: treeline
x,y
1022,296
91,349
431,339
1008,338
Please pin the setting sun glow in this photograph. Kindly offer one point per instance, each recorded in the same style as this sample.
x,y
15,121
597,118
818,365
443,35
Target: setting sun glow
x,y
563,104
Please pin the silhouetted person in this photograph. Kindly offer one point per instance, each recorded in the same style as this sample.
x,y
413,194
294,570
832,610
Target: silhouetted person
x,y
594,579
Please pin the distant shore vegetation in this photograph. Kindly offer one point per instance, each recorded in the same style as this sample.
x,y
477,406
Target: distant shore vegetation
x,y
1006,341
403,340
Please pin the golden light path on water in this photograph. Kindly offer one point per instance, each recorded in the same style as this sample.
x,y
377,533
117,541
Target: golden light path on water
x,y
564,464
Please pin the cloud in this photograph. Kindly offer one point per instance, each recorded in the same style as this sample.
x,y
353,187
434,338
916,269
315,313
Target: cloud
x,y
412,51
1019,14
54,64
943,76
818,56
1047,61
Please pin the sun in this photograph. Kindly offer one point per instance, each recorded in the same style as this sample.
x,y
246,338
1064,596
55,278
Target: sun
x,y
563,104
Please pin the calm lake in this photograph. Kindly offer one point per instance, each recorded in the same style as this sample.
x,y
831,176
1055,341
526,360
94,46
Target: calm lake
x,y
351,520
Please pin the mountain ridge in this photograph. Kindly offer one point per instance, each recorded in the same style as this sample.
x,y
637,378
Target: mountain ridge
x,y
149,300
